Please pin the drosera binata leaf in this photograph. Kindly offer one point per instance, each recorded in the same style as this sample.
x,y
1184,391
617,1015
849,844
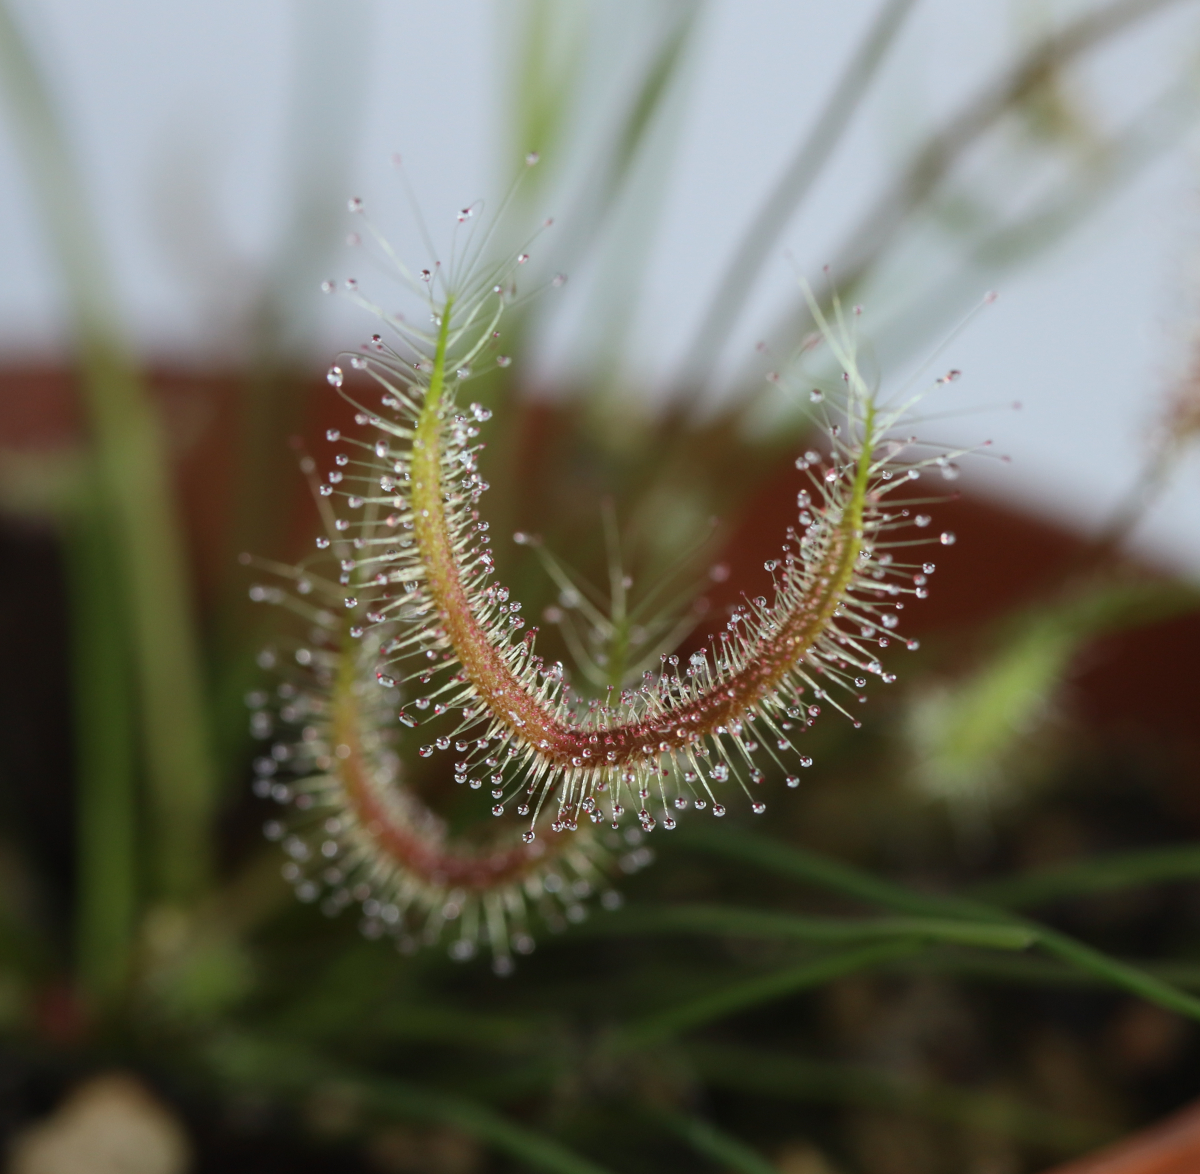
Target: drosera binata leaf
x,y
407,623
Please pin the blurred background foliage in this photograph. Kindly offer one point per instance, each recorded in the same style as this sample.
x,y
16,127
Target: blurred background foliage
x,y
851,985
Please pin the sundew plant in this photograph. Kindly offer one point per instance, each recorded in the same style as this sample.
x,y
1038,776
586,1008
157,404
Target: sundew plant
x,y
650,778
403,597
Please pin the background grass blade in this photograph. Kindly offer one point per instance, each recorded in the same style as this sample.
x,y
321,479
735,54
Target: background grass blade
x,y
841,878
751,992
135,490
712,1142
758,923
755,245
917,183
778,1075
533,1149
106,812
257,1062
824,872
1102,874
1120,974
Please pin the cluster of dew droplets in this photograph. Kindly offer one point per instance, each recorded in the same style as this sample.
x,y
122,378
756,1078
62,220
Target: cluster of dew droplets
x,y
591,759
363,601
332,842
458,643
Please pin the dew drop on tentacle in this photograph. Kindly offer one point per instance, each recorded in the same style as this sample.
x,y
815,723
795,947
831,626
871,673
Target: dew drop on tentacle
x,y
416,570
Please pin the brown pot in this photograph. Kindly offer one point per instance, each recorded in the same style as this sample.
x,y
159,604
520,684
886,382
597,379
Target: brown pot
x,y
1170,1147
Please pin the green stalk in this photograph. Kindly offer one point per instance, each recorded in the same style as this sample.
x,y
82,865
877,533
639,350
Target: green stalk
x,y
1101,875
106,803
757,923
810,867
260,1062
532,1149
714,1143
275,395
841,878
757,242
134,491
781,1076
662,1025
1038,971
1118,973
548,68
918,182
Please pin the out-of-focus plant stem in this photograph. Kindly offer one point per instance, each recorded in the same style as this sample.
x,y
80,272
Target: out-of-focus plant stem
x,y
932,162
1100,874
662,1025
716,1144
548,63
752,1070
277,390
832,874
755,245
1019,968
134,493
546,91
106,822
258,1063
759,923
966,735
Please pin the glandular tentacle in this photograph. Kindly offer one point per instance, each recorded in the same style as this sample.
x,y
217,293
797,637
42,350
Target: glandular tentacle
x,y
407,622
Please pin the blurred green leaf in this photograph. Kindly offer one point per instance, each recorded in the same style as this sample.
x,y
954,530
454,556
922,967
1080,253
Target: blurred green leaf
x,y
754,923
707,1139
851,882
967,734
1101,874
136,494
777,1075
789,192
921,179
740,996
259,1062
106,821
